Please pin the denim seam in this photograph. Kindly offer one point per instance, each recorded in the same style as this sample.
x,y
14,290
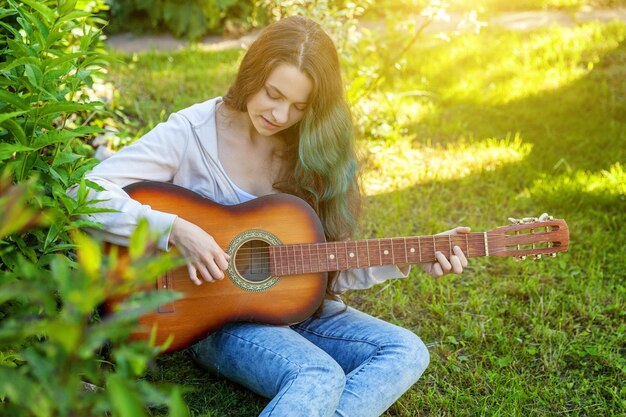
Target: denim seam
x,y
338,337
364,365
262,347
277,399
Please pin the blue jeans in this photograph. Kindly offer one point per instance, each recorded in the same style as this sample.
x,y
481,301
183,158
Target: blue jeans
x,y
340,364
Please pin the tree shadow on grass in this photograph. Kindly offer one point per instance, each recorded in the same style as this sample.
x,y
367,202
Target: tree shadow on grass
x,y
578,128
581,125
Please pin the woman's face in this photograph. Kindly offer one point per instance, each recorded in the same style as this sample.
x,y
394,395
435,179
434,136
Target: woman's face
x,y
281,102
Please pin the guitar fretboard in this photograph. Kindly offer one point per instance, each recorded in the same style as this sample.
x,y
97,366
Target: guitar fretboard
x,y
306,258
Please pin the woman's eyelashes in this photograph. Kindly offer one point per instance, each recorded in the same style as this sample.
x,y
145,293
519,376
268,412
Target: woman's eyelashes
x,y
275,96
271,95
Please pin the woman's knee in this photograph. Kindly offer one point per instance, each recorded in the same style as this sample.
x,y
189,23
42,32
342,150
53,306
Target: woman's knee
x,y
326,376
310,389
413,354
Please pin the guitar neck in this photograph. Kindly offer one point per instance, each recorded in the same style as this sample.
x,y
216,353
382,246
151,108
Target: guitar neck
x,y
305,258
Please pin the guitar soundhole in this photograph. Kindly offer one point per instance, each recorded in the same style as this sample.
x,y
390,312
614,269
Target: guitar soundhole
x,y
252,261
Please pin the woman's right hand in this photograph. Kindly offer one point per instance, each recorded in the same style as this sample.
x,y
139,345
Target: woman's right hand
x,y
204,256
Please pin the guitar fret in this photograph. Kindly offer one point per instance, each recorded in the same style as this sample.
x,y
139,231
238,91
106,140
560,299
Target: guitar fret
x,y
327,258
467,245
282,260
287,260
317,254
333,257
399,250
317,257
301,259
419,244
450,244
406,252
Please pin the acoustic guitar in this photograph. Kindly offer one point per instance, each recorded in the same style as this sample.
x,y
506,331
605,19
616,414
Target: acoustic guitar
x,y
279,260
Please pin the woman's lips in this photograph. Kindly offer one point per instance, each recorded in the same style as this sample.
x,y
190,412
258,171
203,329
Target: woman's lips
x,y
269,124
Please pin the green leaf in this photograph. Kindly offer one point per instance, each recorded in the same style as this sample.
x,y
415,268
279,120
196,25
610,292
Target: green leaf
x,y
66,7
176,404
21,49
8,149
62,135
65,333
56,62
65,158
14,99
51,236
7,116
34,75
39,34
124,398
14,31
23,392
75,15
45,12
54,36
65,107
89,255
19,134
139,240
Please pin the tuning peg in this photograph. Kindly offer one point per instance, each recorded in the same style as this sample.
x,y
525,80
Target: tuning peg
x,y
525,220
522,258
538,256
553,254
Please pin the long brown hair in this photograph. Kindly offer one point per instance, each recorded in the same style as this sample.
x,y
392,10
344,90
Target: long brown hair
x,y
321,163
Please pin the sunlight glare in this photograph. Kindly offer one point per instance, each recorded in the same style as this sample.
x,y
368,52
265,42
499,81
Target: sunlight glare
x,y
401,166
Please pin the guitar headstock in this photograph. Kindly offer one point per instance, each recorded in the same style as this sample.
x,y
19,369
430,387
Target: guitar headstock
x,y
529,236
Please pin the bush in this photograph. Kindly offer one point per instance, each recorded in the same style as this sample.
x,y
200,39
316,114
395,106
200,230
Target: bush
x,y
50,358
49,343
186,18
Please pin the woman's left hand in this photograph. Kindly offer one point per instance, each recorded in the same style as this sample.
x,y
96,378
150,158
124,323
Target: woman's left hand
x,y
454,264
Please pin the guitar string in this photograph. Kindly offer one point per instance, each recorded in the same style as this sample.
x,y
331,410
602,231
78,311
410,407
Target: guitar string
x,y
320,265
339,257
342,246
325,265
382,241
263,262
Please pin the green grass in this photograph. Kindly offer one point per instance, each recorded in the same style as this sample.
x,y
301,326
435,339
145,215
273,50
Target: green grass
x,y
515,124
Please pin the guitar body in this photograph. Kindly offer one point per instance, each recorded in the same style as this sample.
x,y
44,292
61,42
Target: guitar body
x,y
248,292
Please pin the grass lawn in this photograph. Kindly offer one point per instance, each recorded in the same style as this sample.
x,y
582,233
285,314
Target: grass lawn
x,y
512,125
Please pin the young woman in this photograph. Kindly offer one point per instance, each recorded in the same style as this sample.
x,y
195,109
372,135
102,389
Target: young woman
x,y
283,126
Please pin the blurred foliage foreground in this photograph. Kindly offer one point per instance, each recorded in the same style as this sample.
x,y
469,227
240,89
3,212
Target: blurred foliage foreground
x,y
463,129
52,276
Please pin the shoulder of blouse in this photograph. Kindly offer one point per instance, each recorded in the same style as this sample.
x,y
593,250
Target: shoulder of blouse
x,y
201,113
